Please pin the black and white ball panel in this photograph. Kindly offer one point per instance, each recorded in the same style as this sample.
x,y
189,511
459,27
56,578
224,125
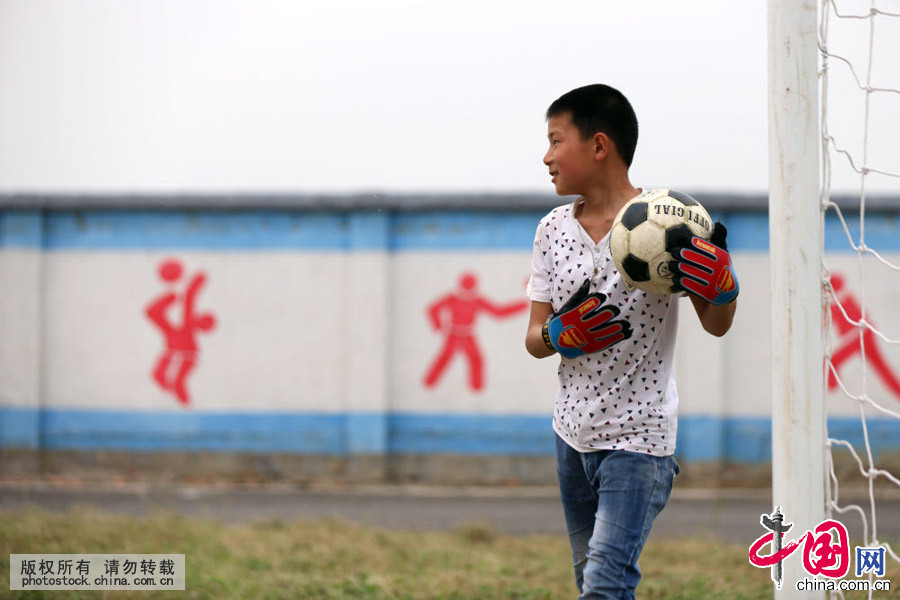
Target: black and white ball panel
x,y
647,228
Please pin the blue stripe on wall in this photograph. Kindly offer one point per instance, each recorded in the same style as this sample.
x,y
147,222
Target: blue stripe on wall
x,y
464,231
470,434
21,229
20,427
363,230
700,438
101,230
129,430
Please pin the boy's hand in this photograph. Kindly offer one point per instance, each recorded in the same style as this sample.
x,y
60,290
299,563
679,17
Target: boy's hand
x,y
704,268
584,325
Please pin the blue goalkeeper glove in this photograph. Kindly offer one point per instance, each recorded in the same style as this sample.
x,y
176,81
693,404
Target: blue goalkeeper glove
x,y
584,325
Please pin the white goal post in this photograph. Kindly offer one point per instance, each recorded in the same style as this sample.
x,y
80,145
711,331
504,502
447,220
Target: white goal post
x,y
795,250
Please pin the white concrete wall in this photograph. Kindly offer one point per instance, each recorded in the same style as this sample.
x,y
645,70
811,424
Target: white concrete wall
x,y
340,330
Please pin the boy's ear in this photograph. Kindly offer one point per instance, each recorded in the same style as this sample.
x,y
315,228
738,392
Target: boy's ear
x,y
602,145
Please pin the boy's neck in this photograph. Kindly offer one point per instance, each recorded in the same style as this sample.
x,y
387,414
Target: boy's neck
x,y
605,201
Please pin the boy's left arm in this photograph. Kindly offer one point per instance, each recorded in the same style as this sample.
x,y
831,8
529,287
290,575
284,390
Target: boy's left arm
x,y
715,319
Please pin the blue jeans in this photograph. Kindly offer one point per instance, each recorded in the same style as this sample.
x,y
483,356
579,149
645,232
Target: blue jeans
x,y
610,499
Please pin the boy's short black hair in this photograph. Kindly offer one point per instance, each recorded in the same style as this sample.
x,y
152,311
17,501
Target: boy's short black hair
x,y
599,107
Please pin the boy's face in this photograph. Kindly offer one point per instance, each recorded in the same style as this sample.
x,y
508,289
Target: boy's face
x,y
571,160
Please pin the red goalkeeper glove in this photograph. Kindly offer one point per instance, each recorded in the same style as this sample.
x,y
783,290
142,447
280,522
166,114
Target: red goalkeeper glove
x,y
704,268
584,325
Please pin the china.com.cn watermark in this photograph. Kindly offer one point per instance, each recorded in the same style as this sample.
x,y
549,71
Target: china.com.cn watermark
x,y
826,553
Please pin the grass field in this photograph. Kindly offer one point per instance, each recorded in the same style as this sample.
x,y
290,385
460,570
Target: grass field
x,y
336,559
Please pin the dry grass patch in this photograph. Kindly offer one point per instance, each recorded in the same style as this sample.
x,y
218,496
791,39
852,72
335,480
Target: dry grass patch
x,y
334,559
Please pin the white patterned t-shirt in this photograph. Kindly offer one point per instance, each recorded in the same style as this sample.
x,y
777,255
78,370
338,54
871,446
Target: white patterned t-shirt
x,y
624,397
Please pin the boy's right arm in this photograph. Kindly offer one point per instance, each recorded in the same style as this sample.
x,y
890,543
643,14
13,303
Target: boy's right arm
x,y
534,339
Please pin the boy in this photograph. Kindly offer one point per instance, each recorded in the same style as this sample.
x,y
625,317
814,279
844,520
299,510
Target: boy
x,y
615,412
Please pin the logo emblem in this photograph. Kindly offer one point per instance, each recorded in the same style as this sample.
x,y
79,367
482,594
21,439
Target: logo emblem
x,y
726,280
571,338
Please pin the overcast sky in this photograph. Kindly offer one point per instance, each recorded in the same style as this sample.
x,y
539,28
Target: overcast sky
x,y
354,95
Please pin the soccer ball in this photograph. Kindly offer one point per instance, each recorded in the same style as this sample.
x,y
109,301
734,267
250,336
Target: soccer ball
x,y
647,228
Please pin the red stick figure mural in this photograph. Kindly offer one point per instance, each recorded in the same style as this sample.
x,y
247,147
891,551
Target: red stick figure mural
x,y
180,354
849,342
454,315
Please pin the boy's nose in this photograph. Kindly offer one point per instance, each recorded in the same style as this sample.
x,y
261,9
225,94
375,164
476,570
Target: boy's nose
x,y
547,159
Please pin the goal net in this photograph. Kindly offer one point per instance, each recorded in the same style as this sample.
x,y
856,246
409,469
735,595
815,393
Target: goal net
x,y
834,213
859,46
